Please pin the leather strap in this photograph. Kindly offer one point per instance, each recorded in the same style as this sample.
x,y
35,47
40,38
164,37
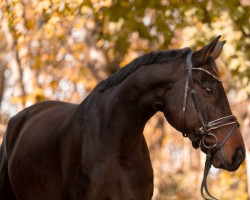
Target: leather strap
x,y
208,165
188,65
224,121
189,84
189,68
218,147
199,111
208,162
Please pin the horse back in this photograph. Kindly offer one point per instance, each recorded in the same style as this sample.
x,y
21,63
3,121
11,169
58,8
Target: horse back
x,y
30,144
36,118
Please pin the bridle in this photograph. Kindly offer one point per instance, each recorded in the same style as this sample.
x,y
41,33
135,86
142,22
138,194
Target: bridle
x,y
206,127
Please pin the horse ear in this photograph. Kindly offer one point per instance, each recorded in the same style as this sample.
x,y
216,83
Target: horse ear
x,y
204,53
217,50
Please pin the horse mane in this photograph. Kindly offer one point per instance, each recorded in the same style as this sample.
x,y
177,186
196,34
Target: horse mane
x,y
154,57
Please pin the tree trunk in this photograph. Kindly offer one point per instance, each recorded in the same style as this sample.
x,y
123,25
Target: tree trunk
x,y
14,62
96,60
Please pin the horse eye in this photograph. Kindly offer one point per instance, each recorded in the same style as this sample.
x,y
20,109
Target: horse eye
x,y
209,91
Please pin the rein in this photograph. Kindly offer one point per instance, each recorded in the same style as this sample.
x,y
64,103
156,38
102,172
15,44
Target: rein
x,y
206,128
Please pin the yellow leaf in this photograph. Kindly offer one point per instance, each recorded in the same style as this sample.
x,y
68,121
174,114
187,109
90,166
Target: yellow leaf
x,y
31,23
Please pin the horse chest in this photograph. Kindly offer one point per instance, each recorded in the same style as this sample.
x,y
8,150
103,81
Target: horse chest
x,y
112,182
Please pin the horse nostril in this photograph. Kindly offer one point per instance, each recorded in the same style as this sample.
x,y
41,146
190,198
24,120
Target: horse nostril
x,y
238,157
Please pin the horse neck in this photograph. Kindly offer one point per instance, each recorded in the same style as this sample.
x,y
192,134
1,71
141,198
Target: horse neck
x,y
122,111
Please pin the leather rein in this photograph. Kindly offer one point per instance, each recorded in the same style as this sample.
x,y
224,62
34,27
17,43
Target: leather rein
x,y
206,128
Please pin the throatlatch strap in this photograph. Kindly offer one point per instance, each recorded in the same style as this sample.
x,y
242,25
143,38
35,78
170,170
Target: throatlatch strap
x,y
208,165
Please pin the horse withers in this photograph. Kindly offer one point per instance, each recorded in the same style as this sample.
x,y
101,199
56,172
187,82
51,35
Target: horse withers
x,y
96,150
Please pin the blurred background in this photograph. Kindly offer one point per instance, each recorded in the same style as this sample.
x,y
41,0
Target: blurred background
x,y
60,49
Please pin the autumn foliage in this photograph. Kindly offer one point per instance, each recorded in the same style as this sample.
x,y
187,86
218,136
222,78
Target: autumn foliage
x,y
60,49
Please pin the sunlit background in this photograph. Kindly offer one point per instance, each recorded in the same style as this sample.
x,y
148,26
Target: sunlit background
x,y
60,49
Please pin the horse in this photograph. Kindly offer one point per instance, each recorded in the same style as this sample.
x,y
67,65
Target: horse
x,y
96,150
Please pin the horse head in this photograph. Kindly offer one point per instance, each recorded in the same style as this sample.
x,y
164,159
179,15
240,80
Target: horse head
x,y
203,113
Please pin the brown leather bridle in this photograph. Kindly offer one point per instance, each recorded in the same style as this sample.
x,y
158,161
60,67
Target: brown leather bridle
x,y
206,128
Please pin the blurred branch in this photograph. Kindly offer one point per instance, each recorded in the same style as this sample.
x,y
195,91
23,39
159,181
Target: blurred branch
x,y
20,71
14,61
96,60
2,79
2,129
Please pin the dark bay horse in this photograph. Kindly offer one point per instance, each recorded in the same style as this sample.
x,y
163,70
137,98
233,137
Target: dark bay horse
x,y
96,150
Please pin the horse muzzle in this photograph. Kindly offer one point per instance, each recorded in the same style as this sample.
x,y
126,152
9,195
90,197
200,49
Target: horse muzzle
x,y
219,161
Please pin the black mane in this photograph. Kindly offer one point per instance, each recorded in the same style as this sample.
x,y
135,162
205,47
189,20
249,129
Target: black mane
x,y
147,59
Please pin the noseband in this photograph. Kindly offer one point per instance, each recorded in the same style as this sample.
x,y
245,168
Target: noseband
x,y
206,127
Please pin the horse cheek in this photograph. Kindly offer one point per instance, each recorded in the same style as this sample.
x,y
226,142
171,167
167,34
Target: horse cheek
x,y
172,110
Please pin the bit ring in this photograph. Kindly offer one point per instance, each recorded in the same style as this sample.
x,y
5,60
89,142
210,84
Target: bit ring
x,y
209,135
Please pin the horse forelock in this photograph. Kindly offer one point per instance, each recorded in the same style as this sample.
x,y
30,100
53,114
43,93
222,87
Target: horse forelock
x,y
154,57
213,65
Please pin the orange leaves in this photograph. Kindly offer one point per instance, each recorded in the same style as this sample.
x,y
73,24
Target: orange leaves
x,y
55,39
